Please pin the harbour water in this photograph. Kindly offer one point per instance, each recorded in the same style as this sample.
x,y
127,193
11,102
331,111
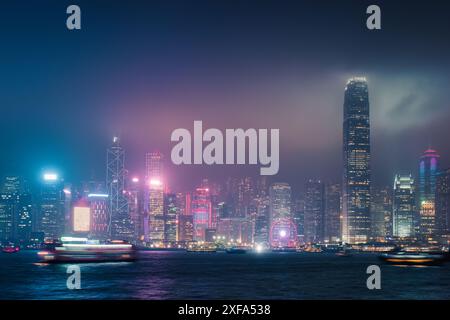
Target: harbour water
x,y
182,275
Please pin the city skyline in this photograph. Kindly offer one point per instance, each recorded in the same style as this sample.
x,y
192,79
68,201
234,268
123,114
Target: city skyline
x,y
182,65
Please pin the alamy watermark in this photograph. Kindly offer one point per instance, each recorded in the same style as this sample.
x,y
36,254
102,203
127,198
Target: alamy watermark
x,y
235,147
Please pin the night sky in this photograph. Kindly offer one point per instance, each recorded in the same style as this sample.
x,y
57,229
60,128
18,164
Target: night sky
x,y
141,69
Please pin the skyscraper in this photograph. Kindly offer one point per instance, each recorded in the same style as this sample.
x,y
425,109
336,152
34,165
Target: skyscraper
x,y
381,213
403,209
185,219
155,202
333,212
51,220
356,177
443,203
262,219
170,218
428,168
98,203
120,223
201,212
283,232
314,214
136,207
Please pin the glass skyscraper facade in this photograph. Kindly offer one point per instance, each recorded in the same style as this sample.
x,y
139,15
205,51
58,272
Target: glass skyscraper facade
x,y
120,223
356,149
428,169
403,207
314,213
283,232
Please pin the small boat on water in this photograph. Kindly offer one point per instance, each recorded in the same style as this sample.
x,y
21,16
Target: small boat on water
x,y
284,249
413,258
344,253
236,250
206,250
85,250
10,249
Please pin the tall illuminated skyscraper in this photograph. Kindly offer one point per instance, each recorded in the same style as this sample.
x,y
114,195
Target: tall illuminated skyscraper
x,y
98,203
403,207
356,177
201,212
120,223
185,219
170,218
155,197
381,213
51,219
333,212
443,203
136,207
314,213
428,168
283,232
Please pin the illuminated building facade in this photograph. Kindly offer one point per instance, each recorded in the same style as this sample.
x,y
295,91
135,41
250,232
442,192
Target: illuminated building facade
x,y
201,212
16,210
443,203
428,221
381,214
403,209
98,203
283,232
155,203
51,219
185,220
262,218
170,218
428,169
314,213
356,177
136,207
120,223
81,219
332,212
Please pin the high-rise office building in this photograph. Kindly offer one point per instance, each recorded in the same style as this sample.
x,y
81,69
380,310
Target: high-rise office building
x,y
170,218
185,220
403,209
356,177
15,210
120,226
155,197
262,220
381,213
314,214
298,216
443,203
283,232
201,212
136,207
51,220
333,212
98,203
428,169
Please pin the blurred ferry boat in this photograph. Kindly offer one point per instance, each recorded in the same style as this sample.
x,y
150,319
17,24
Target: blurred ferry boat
x,y
414,258
236,250
207,248
74,249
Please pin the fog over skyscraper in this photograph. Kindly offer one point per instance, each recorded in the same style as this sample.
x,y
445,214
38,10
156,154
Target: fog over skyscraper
x,y
356,149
